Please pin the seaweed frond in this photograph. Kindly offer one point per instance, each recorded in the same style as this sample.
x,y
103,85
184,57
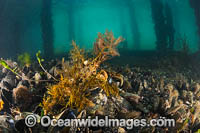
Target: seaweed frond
x,y
81,76
5,65
106,44
24,59
40,60
1,104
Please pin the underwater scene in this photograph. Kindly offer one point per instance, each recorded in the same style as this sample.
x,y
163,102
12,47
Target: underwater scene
x,y
95,66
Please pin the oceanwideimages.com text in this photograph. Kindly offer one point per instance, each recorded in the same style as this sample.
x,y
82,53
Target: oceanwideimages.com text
x,y
46,121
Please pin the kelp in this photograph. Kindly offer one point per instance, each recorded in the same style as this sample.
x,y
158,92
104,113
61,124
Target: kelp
x,y
81,75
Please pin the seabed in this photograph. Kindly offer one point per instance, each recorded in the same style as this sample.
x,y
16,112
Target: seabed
x,y
135,85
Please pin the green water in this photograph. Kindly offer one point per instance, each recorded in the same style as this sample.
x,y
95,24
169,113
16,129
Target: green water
x,y
81,20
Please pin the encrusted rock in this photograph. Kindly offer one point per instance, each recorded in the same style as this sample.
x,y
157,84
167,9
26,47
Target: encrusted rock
x,y
22,97
6,124
9,82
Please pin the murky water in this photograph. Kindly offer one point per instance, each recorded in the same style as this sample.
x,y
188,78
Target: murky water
x,y
51,25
